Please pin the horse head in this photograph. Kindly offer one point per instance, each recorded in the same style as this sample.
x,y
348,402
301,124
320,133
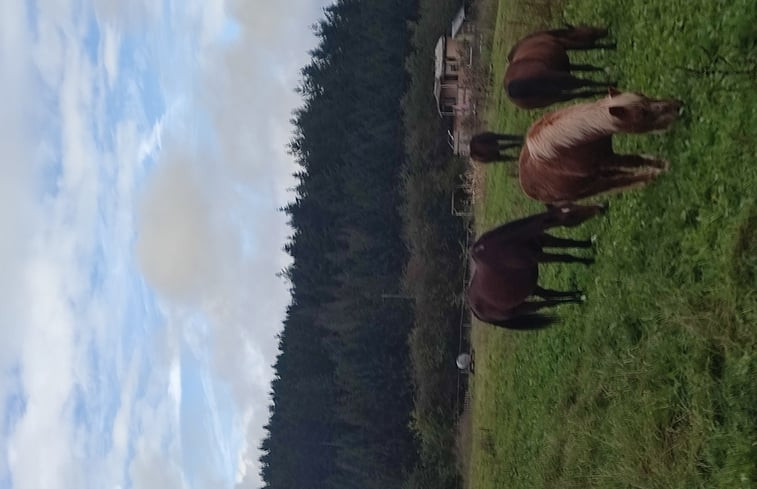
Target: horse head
x,y
635,112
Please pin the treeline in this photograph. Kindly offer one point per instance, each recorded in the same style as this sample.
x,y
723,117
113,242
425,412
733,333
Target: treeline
x,y
435,269
342,393
365,387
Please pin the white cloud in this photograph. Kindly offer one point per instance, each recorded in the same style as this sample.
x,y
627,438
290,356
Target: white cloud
x,y
46,375
22,161
46,271
151,470
183,243
81,341
17,172
157,448
210,233
134,14
52,214
110,50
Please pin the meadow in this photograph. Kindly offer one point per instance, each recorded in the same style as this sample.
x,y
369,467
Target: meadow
x,y
652,383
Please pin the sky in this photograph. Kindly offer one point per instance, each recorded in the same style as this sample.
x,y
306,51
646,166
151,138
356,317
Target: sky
x,y
142,165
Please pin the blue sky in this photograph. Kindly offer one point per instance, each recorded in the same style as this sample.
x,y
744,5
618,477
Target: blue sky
x,y
144,162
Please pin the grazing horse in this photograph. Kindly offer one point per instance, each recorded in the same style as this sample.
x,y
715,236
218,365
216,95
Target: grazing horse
x,y
505,262
568,153
487,147
539,73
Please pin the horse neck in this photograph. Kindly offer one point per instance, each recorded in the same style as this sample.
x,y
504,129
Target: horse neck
x,y
570,127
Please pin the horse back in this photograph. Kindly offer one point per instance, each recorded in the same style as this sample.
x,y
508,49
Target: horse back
x,y
542,48
566,37
529,40
579,132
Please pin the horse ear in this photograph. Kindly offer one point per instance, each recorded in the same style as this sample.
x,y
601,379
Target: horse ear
x,y
618,111
613,92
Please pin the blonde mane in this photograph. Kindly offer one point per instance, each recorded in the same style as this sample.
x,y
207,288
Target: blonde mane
x,y
574,125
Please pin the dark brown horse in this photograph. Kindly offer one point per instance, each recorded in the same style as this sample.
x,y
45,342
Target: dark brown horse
x,y
505,264
568,153
487,147
539,73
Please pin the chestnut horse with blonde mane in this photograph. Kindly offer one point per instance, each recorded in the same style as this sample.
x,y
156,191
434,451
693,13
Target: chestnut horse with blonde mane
x,y
539,73
568,153
505,268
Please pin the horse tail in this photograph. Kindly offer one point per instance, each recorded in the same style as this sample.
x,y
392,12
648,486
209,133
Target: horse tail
x,y
527,322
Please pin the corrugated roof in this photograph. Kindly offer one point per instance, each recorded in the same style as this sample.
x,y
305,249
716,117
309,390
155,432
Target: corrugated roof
x,y
438,70
457,22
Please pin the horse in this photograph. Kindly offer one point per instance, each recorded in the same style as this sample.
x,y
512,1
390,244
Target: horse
x,y
539,70
568,153
505,263
487,147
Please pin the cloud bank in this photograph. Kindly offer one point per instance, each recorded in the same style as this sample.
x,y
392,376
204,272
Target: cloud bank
x,y
145,160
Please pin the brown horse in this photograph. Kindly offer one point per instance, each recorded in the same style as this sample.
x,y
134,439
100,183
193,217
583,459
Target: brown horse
x,y
568,153
505,264
539,73
487,147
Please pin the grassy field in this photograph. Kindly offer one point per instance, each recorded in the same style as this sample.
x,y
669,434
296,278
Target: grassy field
x,y
653,382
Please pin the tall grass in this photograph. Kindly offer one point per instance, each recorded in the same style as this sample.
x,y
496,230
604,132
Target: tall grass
x,y
653,382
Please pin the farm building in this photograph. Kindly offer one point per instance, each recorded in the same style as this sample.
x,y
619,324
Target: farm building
x,y
452,86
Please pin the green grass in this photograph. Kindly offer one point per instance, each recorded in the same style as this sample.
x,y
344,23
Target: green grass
x,y
653,382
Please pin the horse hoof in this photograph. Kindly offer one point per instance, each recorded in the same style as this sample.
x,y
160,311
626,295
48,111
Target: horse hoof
x,y
582,298
656,164
604,207
593,239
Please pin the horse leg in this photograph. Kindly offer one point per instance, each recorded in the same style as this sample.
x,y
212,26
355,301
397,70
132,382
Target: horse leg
x,y
549,241
510,137
583,94
543,257
569,86
565,81
580,37
509,158
506,157
530,307
609,45
556,294
503,156
508,146
585,68
633,162
619,181
583,82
